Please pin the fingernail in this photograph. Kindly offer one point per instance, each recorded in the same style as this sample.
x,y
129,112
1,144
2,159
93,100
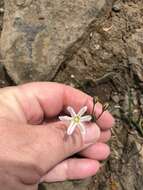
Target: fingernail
x,y
92,133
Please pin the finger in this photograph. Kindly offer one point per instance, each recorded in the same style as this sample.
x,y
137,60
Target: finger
x,y
98,151
72,169
52,140
52,97
49,99
105,136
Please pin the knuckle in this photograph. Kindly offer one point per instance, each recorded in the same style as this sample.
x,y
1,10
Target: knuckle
x,y
31,172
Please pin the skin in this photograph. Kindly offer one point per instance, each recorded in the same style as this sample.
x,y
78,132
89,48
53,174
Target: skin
x,y
34,146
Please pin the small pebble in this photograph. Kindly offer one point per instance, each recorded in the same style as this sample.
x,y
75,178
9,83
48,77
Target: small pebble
x,y
116,112
141,99
141,107
91,34
97,46
1,10
115,98
134,96
116,7
20,2
72,76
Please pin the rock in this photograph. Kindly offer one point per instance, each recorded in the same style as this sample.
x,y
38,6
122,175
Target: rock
x,y
137,67
135,53
1,14
39,35
4,80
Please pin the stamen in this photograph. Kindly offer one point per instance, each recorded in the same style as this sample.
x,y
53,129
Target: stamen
x,y
76,119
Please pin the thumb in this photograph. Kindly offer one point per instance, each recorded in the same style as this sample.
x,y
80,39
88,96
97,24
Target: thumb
x,y
54,145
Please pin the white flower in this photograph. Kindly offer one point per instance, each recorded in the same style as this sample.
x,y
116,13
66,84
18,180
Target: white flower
x,y
76,120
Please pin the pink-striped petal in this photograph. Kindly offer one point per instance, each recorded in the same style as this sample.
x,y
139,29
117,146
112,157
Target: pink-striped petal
x,y
71,128
82,111
71,111
86,118
82,128
65,118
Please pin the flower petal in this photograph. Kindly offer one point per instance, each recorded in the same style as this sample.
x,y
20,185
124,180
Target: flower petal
x,y
71,128
71,111
82,128
82,111
65,118
86,118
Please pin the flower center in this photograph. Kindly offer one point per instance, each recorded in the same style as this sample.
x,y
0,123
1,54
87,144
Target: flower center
x,y
76,119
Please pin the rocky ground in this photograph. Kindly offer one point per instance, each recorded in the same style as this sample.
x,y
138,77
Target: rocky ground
x,y
105,61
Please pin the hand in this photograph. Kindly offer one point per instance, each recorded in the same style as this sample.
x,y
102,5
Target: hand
x,y
33,147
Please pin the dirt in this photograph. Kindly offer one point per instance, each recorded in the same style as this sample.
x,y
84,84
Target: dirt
x,y
109,64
